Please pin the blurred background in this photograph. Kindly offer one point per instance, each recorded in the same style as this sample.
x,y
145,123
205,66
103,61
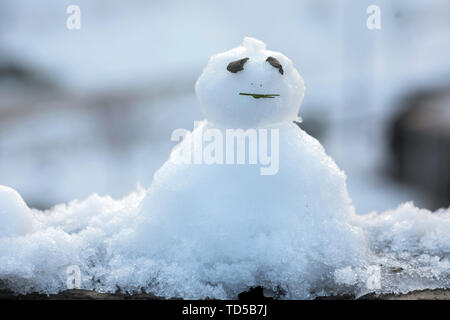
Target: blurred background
x,y
92,110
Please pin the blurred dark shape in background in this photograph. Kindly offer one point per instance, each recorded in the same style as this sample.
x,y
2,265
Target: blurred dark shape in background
x,y
421,144
22,76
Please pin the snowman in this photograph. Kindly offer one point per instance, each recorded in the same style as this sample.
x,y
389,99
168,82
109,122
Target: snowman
x,y
246,199
262,206
228,224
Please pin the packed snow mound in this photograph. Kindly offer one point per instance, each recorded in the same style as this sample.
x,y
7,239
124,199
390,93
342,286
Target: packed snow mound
x,y
219,90
237,228
15,217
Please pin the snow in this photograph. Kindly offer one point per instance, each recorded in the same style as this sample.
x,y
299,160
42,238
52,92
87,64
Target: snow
x,y
13,213
214,230
413,239
120,244
219,91
235,221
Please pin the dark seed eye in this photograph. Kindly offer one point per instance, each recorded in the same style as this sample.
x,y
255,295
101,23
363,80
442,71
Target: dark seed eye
x,y
275,63
237,65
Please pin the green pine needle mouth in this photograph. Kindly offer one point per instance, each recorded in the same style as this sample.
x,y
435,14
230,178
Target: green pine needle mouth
x,y
258,96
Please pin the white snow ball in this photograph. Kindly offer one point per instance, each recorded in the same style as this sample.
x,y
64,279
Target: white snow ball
x,y
250,86
15,216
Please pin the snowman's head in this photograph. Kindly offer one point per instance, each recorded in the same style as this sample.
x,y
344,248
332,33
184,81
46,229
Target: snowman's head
x,y
250,86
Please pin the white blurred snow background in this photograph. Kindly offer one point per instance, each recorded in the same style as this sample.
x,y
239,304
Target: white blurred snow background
x,y
92,110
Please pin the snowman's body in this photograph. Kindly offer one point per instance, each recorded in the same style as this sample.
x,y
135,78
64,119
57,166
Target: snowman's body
x,y
240,225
